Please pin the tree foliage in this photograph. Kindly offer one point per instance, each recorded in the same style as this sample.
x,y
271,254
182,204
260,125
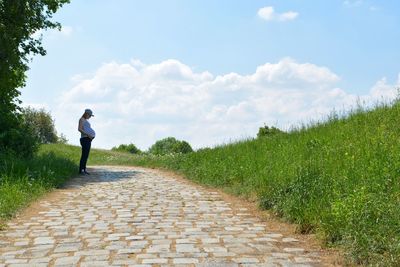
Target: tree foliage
x,y
131,148
170,145
19,20
41,123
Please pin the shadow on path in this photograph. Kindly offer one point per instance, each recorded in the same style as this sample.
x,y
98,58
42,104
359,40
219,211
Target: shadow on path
x,y
101,175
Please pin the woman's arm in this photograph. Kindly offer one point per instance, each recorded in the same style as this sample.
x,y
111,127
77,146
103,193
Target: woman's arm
x,y
80,126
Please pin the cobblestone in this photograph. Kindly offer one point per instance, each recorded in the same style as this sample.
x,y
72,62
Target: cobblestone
x,y
125,216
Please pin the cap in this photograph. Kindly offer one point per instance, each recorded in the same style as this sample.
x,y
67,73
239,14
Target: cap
x,y
89,112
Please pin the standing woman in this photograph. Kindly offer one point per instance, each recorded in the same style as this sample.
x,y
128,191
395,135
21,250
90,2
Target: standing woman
x,y
87,135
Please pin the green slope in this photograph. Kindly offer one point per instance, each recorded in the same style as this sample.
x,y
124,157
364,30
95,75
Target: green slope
x,y
339,178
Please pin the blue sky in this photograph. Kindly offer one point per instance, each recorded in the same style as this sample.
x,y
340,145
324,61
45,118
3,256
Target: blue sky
x,y
211,71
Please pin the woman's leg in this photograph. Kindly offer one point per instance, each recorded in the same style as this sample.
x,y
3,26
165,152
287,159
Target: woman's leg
x,y
85,143
89,144
82,154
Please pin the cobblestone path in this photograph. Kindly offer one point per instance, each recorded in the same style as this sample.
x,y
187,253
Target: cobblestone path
x,y
121,216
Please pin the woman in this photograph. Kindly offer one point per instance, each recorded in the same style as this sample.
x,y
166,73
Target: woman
x,y
87,135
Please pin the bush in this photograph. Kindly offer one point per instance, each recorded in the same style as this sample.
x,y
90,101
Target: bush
x,y
16,137
41,124
131,148
62,139
268,131
170,145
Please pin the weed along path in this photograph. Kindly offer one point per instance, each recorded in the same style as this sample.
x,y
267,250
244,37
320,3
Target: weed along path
x,y
123,216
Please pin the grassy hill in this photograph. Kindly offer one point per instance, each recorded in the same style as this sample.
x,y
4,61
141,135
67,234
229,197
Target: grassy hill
x,y
338,178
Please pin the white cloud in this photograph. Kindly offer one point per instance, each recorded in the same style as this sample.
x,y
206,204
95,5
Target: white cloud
x,y
142,103
353,3
291,15
268,13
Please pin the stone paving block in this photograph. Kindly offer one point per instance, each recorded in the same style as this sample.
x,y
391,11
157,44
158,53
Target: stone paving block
x,y
40,260
185,261
186,241
289,239
43,241
93,263
155,261
161,242
294,250
138,244
96,258
11,261
146,256
303,260
215,249
67,260
134,237
186,248
224,254
246,260
121,262
67,247
129,251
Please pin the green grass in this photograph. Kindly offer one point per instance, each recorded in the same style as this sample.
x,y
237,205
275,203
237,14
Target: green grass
x,y
338,178
96,156
24,180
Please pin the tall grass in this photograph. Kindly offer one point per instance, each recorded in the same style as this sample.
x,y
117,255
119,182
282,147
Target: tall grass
x,y
23,180
338,178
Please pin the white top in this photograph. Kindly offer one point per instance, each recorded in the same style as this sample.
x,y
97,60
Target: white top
x,y
88,129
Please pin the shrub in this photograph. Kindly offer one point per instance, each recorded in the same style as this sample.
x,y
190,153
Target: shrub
x,y
268,131
62,139
131,148
170,145
17,138
41,123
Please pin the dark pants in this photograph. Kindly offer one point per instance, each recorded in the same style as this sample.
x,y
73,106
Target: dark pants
x,y
85,143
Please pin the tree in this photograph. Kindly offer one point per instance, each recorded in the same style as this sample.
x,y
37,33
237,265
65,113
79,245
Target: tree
x,y
131,148
41,124
19,20
170,145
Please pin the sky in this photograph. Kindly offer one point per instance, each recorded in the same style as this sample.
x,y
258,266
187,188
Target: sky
x,y
212,71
